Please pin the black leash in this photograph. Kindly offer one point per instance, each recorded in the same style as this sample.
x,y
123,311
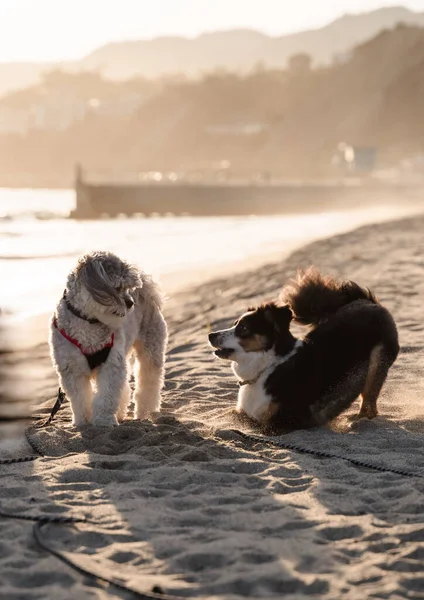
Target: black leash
x,y
323,454
13,461
41,520
156,594
60,399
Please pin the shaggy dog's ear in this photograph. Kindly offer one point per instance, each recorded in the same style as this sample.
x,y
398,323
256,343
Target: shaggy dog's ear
x,y
95,279
279,316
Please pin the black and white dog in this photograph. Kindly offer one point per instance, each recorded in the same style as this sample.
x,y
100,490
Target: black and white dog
x,y
287,383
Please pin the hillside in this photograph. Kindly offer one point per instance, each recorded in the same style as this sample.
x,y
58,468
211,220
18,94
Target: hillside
x,y
20,75
284,122
375,98
241,50
237,50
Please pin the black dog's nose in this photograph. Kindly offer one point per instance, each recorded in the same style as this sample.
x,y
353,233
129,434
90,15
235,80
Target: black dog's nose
x,y
212,337
129,303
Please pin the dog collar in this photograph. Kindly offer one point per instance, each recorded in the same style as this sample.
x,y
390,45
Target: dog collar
x,y
252,381
78,313
284,359
94,359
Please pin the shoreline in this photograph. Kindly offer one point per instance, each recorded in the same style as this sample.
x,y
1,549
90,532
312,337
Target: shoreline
x,y
280,245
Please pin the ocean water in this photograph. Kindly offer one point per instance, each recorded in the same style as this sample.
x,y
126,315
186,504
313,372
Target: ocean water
x,y
39,244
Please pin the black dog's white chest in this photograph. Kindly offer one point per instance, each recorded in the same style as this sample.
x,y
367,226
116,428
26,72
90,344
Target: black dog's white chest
x,y
253,399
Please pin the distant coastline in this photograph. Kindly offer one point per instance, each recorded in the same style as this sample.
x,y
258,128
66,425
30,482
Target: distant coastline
x,y
37,183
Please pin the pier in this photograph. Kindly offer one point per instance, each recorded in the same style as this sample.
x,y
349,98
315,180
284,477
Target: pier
x,y
231,198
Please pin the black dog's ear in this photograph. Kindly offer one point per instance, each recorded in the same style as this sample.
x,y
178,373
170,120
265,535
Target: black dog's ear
x,y
249,309
279,316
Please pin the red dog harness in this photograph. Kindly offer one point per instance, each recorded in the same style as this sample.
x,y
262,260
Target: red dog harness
x,y
94,359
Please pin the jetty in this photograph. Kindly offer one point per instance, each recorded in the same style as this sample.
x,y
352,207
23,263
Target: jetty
x,y
205,198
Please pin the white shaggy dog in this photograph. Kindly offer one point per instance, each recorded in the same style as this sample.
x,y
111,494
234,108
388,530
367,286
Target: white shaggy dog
x,y
109,309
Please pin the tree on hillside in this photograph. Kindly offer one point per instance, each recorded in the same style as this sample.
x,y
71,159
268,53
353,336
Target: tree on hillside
x,y
300,64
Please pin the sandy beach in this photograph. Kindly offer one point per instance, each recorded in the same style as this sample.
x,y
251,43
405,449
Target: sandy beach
x,y
187,504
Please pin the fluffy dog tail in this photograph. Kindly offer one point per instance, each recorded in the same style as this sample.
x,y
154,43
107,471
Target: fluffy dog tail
x,y
313,297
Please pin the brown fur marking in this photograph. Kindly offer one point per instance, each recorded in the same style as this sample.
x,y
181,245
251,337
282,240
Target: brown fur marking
x,y
254,343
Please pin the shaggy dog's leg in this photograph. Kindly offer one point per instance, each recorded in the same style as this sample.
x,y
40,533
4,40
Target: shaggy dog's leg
x,y
149,376
74,377
111,378
149,382
125,400
78,389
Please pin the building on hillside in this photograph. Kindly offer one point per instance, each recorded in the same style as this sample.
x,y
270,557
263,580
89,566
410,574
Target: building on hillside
x,y
64,99
355,159
14,121
236,128
124,105
57,113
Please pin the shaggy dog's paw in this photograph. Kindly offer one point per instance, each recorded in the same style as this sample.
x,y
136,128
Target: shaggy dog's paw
x,y
142,415
122,414
105,421
81,423
146,407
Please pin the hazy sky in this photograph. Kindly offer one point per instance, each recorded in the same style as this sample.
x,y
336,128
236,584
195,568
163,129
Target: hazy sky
x,y
50,30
